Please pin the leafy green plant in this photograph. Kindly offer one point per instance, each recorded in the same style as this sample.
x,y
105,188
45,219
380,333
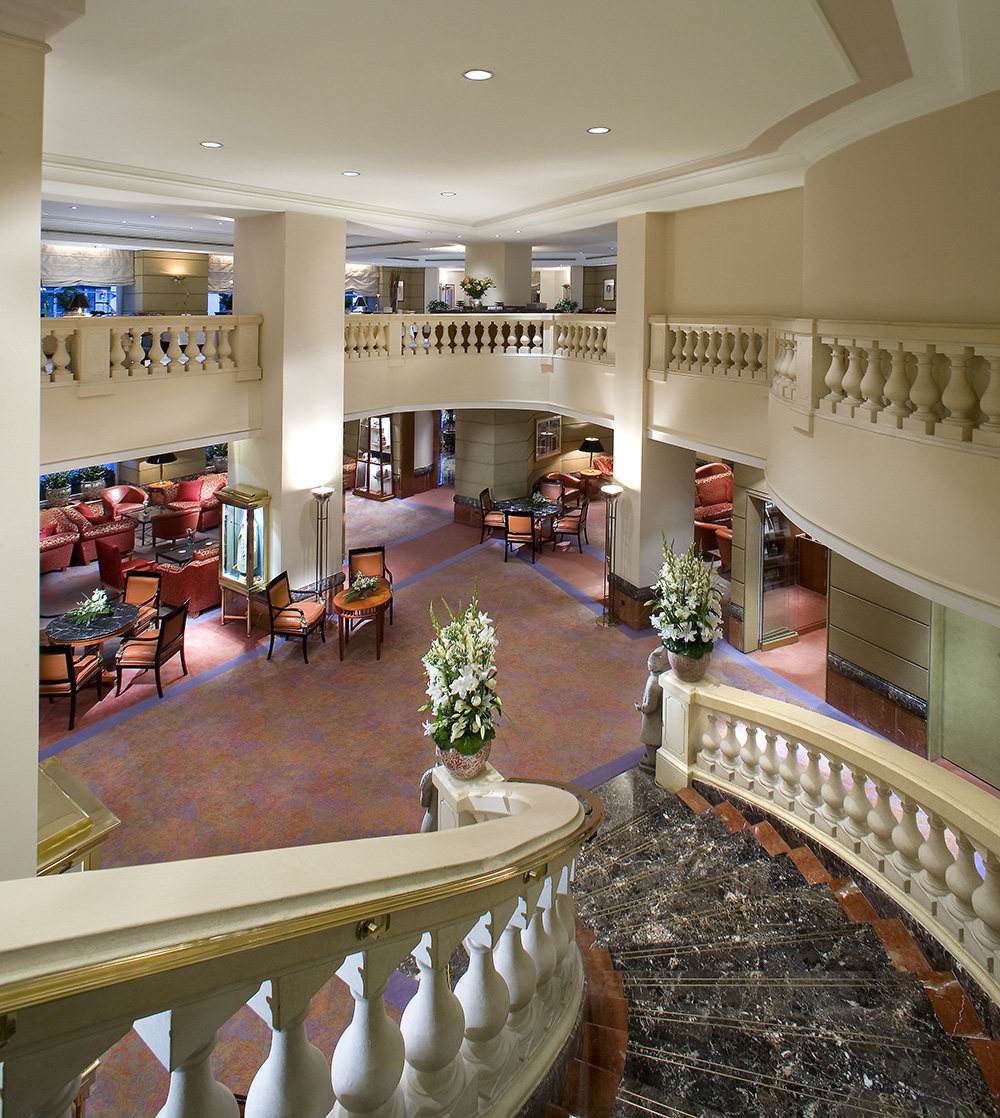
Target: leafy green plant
x,y
437,306
92,473
688,613
566,306
217,450
57,480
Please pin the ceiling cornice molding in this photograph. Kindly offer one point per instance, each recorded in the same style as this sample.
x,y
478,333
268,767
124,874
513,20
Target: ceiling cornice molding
x,y
30,23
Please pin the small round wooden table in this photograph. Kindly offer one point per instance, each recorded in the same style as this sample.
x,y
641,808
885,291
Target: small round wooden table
x,y
372,607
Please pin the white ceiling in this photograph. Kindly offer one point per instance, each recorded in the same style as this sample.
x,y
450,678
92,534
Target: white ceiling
x,y
705,100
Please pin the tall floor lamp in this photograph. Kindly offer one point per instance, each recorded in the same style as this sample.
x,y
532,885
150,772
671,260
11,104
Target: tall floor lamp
x,y
608,618
322,493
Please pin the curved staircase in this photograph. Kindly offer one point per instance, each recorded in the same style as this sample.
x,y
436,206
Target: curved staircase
x,y
757,982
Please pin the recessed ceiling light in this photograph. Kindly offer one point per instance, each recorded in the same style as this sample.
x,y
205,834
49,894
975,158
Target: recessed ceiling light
x,y
497,235
152,215
74,207
210,144
222,223
350,174
598,130
45,213
478,75
517,230
448,193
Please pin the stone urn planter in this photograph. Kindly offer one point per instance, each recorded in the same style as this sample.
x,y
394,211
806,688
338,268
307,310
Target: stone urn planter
x,y
58,496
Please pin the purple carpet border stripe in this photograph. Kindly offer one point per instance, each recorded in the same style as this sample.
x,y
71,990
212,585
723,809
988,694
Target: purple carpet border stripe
x,y
400,989
610,769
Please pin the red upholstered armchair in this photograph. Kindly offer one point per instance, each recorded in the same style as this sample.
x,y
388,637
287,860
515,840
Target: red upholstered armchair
x,y
199,493
120,500
713,499
93,523
197,582
57,535
174,523
112,566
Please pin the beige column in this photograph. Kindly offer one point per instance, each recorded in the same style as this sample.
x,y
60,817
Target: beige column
x,y
507,264
290,268
494,449
168,282
658,478
22,72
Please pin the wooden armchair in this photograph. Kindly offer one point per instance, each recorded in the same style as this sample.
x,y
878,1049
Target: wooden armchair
x,y
519,529
60,675
370,561
491,517
142,589
572,523
154,648
293,613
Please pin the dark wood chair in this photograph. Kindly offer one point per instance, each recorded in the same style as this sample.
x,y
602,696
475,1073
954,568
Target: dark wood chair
x,y
492,518
370,561
519,528
60,675
573,522
293,613
142,589
154,648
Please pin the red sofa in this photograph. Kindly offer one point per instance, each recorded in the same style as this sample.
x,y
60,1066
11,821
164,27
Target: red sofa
x,y
94,524
713,493
197,582
57,535
199,493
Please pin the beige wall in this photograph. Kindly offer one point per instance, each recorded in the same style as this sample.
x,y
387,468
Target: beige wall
x,y
593,287
742,257
903,226
168,282
413,289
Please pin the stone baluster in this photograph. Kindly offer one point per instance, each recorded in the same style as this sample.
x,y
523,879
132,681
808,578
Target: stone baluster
x,y
963,880
560,922
173,353
135,358
897,390
537,331
156,354
435,1079
485,1002
518,970
834,379
710,740
225,348
677,350
904,864
751,355
294,1080
690,337
852,382
749,770
45,357
118,367
191,351
832,814
872,385
729,747
791,375
209,354
699,351
725,351
790,772
739,350
988,432
959,398
935,858
712,353
858,806
924,394
881,824
986,903
183,1040
369,1057
561,337
770,763
61,372
537,940
811,783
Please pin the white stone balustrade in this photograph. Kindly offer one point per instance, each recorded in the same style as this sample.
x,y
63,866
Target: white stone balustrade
x,y
736,348
177,948
930,839
95,350
370,337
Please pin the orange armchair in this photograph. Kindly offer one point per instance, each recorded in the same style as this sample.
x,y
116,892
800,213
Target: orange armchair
x,y
293,613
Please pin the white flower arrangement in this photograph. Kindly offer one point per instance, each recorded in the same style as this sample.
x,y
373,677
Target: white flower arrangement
x,y
461,680
688,614
361,585
86,610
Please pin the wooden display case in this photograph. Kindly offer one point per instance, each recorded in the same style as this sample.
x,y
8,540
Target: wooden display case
x,y
374,477
244,538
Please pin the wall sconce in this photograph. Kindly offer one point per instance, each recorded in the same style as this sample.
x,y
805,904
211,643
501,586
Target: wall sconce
x,y
179,278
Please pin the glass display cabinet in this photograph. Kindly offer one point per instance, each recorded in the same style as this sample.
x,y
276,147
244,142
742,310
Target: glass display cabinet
x,y
374,478
243,561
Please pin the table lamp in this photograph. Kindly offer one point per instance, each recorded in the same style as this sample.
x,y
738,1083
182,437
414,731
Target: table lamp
x,y
591,445
161,460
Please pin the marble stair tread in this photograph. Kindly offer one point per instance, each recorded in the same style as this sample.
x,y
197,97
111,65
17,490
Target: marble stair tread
x,y
641,1100
627,796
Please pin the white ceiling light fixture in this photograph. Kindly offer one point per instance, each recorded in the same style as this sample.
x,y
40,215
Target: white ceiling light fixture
x,y
351,174
599,130
478,75
448,193
210,144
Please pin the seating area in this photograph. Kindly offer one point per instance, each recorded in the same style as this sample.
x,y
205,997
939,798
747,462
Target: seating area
x,y
199,495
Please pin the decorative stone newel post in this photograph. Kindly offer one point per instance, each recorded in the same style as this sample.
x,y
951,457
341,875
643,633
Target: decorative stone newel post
x,y
182,1039
436,1079
486,1003
294,1080
369,1057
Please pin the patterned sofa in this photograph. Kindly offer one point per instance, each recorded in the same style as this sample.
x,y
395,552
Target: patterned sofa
x,y
56,536
197,582
90,522
198,493
713,493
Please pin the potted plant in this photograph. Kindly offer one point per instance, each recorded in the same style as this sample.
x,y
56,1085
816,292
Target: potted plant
x,y
57,488
92,482
566,306
688,613
461,686
217,456
437,306
476,288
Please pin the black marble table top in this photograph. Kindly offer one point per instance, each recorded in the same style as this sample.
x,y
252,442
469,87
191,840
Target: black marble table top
x,y
120,618
526,507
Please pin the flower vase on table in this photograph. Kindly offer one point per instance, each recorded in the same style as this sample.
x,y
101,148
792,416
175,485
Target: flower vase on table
x,y
476,289
361,586
688,611
461,687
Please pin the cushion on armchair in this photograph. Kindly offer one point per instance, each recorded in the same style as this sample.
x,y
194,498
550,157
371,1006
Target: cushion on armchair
x,y
91,514
189,490
46,530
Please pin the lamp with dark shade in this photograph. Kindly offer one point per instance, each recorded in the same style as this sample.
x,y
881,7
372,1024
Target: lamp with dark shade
x,y
79,304
161,460
591,445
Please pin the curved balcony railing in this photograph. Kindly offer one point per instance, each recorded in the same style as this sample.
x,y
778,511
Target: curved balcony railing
x,y
175,949
928,838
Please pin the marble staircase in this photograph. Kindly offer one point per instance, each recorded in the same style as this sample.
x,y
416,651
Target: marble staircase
x,y
759,978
